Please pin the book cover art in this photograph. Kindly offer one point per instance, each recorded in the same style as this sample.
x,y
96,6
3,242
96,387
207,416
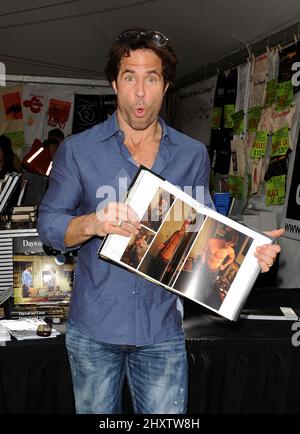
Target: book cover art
x,y
189,249
38,277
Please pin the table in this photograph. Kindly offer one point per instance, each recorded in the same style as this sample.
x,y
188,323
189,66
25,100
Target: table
x,y
250,366
244,367
35,377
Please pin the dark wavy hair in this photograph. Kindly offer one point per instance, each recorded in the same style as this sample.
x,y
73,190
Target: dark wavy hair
x,y
231,237
119,50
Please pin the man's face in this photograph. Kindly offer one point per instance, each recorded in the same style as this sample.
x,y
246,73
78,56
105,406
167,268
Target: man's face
x,y
162,206
140,88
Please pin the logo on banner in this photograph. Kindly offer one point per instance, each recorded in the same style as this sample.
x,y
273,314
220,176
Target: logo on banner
x,y
34,104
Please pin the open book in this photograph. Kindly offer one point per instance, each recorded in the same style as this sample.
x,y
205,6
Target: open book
x,y
186,247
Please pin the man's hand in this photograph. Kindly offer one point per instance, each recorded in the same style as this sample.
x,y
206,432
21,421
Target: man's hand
x,y
117,218
267,253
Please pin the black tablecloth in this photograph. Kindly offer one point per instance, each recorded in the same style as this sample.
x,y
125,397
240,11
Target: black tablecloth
x,y
244,367
248,366
35,377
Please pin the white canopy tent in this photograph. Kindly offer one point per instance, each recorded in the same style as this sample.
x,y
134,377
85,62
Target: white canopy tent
x,y
71,38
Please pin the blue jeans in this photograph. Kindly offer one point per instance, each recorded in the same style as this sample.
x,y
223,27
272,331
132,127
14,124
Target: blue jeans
x,y
156,375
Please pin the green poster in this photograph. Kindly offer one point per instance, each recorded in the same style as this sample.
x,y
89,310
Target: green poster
x,y
259,145
235,186
280,142
271,92
216,118
275,190
17,139
238,122
229,109
285,95
253,118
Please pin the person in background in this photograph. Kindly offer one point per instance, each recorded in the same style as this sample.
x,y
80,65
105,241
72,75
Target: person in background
x,y
55,138
9,162
121,324
26,280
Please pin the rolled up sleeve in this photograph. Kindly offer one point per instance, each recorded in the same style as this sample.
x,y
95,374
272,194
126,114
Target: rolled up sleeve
x,y
61,202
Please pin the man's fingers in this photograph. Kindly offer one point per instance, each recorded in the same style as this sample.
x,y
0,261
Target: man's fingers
x,y
264,267
120,231
128,216
266,256
126,227
276,233
119,212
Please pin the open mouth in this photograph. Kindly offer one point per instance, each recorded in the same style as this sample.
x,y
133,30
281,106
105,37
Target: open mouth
x,y
139,111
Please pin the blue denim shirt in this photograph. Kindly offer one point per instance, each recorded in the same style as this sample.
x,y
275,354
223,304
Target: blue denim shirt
x,y
109,303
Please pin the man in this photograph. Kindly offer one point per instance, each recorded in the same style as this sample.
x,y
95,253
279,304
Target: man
x,y
26,280
119,323
219,252
156,215
165,262
138,249
217,256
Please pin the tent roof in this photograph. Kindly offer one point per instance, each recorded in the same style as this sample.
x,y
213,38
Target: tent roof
x,y
71,38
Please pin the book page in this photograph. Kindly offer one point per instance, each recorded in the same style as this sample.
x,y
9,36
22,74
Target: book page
x,y
188,248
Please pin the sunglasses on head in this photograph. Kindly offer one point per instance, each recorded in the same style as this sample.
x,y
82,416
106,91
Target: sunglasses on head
x,y
130,35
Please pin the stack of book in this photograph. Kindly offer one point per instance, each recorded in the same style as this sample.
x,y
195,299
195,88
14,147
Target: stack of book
x,y
46,310
21,214
7,190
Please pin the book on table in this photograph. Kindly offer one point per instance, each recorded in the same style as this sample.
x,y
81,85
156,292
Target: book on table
x,y
187,247
40,278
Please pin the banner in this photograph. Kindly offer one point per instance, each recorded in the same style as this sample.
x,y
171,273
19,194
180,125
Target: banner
x,y
194,112
11,117
87,112
59,112
34,106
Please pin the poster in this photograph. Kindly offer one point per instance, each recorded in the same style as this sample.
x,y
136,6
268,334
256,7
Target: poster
x,y
59,112
194,112
11,116
34,103
87,112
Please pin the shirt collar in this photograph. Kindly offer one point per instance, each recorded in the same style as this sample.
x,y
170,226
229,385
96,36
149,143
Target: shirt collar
x,y
111,126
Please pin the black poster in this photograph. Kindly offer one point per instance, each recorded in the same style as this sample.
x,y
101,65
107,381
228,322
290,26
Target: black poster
x,y
87,112
109,105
